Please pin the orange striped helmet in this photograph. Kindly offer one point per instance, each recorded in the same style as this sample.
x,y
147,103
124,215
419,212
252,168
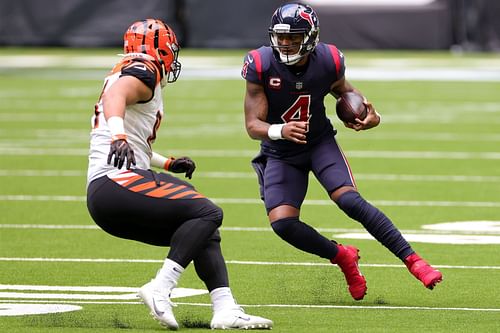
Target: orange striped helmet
x,y
156,39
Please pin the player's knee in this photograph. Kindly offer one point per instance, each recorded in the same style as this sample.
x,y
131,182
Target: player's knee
x,y
282,226
351,203
215,237
214,214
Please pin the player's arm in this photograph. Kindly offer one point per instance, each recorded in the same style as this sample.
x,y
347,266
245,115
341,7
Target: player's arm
x,y
372,118
256,107
127,90
172,164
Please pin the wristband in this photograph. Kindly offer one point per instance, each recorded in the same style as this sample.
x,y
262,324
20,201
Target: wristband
x,y
167,163
118,137
115,125
160,161
274,131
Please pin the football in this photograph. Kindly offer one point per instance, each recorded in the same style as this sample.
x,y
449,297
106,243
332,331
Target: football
x,y
350,106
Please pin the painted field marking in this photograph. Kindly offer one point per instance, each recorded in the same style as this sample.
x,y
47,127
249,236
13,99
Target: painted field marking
x,y
234,262
465,226
355,307
66,296
493,228
95,293
433,239
304,306
251,201
468,230
213,153
9,309
462,232
251,175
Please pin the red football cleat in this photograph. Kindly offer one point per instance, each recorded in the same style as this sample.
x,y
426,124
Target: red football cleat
x,y
423,271
347,259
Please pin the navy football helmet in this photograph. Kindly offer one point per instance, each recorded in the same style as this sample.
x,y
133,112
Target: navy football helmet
x,y
300,23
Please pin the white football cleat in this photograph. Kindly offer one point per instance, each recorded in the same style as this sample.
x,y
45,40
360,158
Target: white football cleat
x,y
236,318
158,302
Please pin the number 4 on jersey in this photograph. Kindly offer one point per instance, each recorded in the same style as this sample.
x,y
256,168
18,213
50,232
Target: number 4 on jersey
x,y
299,111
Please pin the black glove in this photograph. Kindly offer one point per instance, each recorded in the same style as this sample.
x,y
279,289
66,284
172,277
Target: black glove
x,y
122,151
183,164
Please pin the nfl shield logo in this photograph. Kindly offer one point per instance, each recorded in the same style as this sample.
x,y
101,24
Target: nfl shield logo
x,y
299,85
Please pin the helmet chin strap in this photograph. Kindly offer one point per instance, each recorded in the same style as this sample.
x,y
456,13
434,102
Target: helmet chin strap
x,y
290,60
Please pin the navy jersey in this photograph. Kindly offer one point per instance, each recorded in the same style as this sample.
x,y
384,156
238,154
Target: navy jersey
x,y
295,97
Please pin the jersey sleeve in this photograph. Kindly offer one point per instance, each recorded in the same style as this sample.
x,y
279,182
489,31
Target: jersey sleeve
x,y
252,67
144,71
337,61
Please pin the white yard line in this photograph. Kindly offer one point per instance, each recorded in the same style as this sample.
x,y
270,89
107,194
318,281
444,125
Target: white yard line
x,y
251,201
384,154
251,175
305,306
427,231
233,262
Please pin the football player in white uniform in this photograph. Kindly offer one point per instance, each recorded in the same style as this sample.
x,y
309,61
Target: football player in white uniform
x,y
129,200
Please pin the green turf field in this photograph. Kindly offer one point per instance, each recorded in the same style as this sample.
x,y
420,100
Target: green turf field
x,y
434,159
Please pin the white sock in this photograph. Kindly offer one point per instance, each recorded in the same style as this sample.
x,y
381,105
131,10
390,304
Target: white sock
x,y
222,299
168,275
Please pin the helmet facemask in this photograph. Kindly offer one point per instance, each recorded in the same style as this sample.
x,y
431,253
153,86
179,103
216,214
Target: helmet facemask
x,y
171,73
303,41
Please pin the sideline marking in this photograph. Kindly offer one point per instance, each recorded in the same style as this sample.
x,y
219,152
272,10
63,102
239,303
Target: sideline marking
x,y
210,68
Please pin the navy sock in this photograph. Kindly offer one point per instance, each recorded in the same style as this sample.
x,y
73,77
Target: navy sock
x,y
375,222
304,237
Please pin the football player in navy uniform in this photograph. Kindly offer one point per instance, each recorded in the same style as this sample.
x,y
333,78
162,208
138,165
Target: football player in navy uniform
x,y
286,84
129,200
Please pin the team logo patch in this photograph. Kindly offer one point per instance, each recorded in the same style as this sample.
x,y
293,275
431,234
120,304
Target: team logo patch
x,y
299,85
275,83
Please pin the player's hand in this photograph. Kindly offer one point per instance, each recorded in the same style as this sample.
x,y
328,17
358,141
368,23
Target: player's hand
x,y
183,164
295,131
371,120
122,151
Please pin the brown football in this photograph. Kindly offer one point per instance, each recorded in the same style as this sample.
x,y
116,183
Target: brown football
x,y
350,106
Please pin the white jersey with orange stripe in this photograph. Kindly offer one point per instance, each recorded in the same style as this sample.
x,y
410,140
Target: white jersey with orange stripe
x,y
141,123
